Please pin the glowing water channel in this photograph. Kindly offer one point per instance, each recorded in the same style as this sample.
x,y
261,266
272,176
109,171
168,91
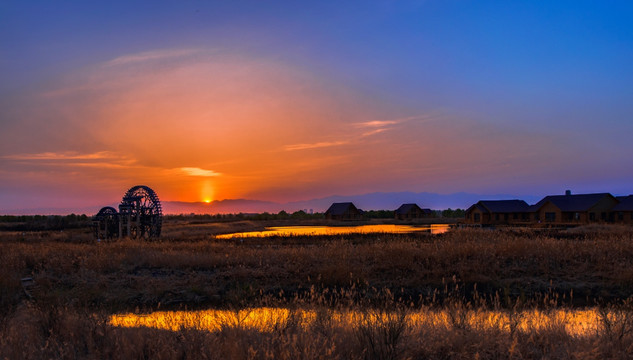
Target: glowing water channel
x,y
338,230
586,322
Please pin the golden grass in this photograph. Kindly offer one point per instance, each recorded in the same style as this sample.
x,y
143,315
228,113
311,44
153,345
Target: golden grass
x,y
582,267
576,323
320,333
515,293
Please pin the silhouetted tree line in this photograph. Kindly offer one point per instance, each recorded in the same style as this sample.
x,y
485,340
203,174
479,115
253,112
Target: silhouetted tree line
x,y
43,222
301,215
379,214
282,215
72,221
457,213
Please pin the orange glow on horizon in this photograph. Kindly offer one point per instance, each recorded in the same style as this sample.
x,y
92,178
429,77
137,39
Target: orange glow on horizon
x,y
231,122
229,139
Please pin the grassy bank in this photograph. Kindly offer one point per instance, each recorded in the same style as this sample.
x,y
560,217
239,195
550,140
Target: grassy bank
x,y
453,331
582,267
78,283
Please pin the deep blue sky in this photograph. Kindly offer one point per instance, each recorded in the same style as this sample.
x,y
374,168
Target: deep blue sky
x,y
528,97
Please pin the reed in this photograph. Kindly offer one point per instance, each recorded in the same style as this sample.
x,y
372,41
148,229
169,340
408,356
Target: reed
x,y
515,293
295,331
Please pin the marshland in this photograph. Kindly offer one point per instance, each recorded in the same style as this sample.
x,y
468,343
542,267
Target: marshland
x,y
466,293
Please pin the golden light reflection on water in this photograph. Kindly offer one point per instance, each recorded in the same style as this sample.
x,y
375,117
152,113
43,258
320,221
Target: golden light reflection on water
x,y
338,230
574,322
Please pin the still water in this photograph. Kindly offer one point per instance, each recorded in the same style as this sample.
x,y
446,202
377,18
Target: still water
x,y
584,322
338,230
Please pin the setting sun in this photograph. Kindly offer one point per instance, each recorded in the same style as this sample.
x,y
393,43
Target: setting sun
x,y
206,191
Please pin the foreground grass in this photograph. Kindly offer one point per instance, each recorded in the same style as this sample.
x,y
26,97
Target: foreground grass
x,y
79,284
454,332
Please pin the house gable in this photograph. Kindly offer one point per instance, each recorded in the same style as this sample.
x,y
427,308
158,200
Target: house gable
x,y
411,211
343,211
580,208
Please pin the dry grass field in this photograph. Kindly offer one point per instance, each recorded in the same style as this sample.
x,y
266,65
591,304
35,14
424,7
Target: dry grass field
x,y
507,293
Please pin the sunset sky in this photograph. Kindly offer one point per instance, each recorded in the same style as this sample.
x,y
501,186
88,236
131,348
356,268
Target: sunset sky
x,y
289,100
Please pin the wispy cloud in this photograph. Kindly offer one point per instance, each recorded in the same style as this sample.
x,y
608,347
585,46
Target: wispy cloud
x,y
387,123
100,155
314,145
194,171
377,123
103,165
75,160
374,132
363,129
150,56
379,126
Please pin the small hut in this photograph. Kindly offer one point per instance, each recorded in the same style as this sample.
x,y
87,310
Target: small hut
x,y
412,211
496,212
343,211
581,208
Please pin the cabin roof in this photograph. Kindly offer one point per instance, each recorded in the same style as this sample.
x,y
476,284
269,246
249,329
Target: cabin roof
x,y
405,208
504,206
476,206
340,208
569,203
626,203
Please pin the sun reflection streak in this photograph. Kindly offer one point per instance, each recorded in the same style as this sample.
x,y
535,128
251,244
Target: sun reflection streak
x,y
576,323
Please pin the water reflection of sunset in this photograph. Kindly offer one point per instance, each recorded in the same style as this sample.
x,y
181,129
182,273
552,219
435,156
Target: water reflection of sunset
x,y
338,230
584,322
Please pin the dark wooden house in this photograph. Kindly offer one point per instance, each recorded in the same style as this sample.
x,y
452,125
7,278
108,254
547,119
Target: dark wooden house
x,y
498,212
412,211
572,209
623,211
343,211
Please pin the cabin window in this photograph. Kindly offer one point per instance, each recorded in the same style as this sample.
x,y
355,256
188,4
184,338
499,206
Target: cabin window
x,y
515,216
525,216
497,217
550,216
477,217
603,216
505,217
620,216
592,216
576,216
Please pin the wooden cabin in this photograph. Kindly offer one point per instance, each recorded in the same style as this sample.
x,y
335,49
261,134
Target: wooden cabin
x,y
498,212
623,212
412,211
477,214
575,209
343,211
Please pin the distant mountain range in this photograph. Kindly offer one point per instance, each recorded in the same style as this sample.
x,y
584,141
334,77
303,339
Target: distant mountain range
x,y
371,201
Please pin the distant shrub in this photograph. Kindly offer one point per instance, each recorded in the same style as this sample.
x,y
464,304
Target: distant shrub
x,y
43,222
